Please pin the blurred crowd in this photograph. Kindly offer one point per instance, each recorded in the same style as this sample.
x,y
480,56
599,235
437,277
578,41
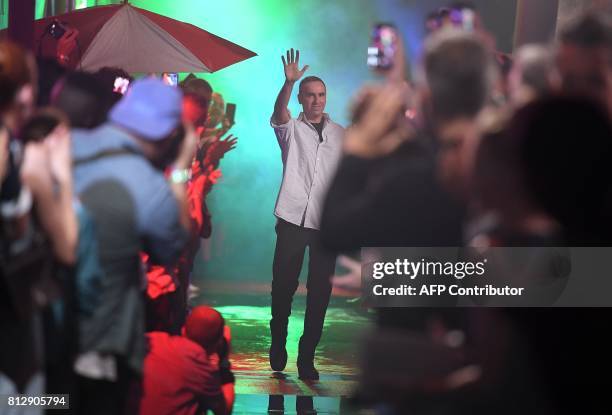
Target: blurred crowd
x,y
103,201
103,198
485,150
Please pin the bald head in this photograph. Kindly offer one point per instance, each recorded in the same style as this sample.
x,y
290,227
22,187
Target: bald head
x,y
204,326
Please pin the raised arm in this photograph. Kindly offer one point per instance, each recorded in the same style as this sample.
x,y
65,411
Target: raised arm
x,y
292,74
47,171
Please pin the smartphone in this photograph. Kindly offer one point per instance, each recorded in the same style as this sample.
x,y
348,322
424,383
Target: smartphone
x,y
170,78
230,112
56,29
383,46
121,85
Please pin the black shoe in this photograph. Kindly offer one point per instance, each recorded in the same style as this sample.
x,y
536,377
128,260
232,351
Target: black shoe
x,y
307,371
278,356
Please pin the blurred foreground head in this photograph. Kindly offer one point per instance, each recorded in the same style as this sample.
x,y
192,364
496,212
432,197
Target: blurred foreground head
x,y
584,57
197,94
83,98
151,112
14,72
566,146
198,87
532,74
459,75
17,84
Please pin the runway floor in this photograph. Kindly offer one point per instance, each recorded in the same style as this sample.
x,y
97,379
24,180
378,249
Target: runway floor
x,y
261,391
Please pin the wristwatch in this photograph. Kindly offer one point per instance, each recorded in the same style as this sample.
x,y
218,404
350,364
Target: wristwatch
x,y
180,176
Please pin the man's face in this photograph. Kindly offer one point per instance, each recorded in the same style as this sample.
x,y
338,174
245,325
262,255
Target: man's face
x,y
313,98
587,72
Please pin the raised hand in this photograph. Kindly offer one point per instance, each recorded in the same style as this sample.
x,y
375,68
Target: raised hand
x,y
291,65
66,45
228,143
218,148
380,125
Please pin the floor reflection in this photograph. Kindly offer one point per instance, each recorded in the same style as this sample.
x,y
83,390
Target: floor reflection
x,y
292,405
303,405
258,389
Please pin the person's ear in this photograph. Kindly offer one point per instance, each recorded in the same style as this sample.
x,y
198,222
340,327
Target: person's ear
x,y
300,98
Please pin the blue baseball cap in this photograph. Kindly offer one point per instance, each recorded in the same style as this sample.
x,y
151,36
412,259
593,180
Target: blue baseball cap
x,y
151,109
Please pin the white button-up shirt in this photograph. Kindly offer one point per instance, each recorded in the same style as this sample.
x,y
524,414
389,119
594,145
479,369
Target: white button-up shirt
x,y
308,168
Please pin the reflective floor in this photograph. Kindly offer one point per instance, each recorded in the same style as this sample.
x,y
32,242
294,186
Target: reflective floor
x,y
258,389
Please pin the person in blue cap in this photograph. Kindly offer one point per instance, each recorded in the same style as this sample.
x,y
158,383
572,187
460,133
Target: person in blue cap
x,y
119,178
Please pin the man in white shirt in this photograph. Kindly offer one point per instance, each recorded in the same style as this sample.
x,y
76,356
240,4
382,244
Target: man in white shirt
x,y
311,146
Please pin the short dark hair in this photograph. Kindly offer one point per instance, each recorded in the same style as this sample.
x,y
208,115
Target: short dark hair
x,y
589,30
310,79
84,98
197,98
460,71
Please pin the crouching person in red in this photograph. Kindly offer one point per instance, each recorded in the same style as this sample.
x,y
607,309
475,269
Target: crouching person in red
x,y
189,374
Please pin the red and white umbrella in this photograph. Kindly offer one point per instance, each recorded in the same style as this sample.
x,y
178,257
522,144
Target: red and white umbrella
x,y
138,40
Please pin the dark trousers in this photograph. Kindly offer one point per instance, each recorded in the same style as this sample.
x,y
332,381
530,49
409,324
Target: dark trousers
x,y
291,243
102,397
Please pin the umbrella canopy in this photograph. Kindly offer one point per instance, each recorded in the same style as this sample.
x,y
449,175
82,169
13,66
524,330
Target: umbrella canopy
x,y
138,40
